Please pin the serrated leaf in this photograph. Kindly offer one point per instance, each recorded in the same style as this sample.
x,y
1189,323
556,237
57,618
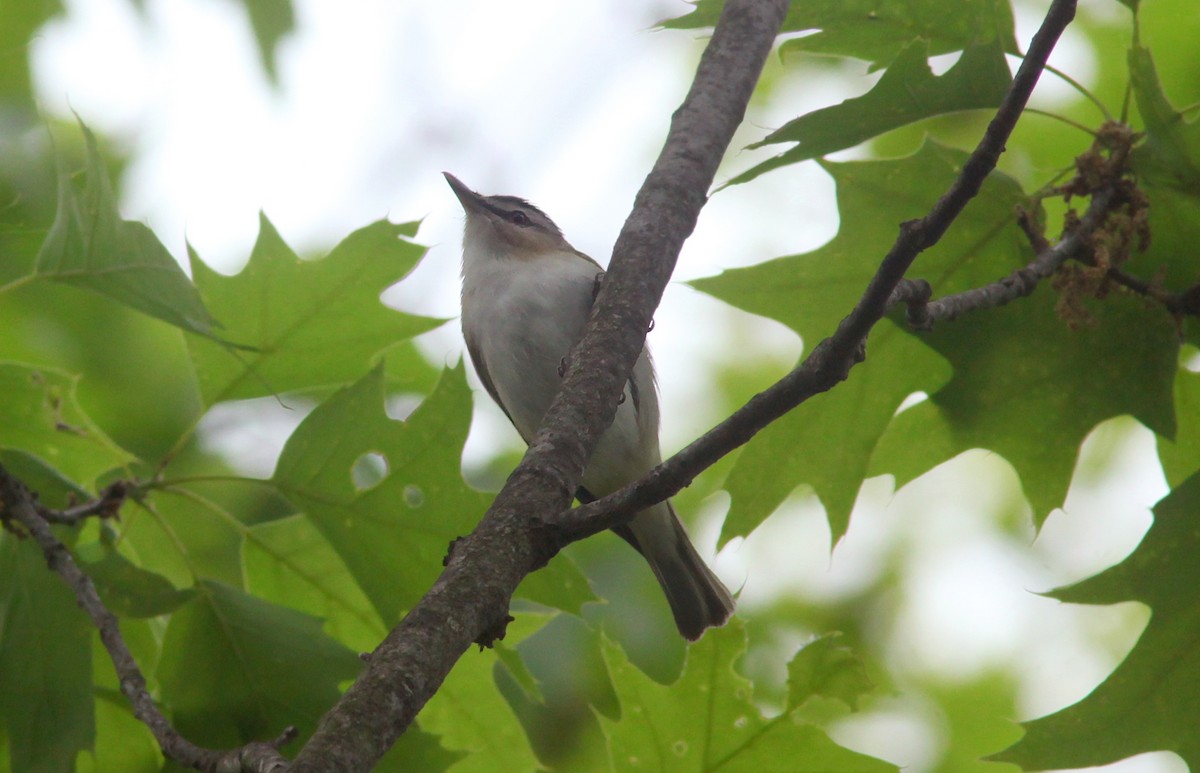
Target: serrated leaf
x,y
708,720
127,589
310,324
288,562
41,417
45,663
90,246
418,506
394,535
878,32
810,293
1151,701
907,92
1035,388
236,668
844,424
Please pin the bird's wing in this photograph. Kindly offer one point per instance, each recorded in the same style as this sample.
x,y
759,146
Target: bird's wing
x,y
482,371
631,384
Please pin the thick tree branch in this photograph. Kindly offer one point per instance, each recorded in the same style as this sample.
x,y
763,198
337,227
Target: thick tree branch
x,y
516,536
831,360
19,504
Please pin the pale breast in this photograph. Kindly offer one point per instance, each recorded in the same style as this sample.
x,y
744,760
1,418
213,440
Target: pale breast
x,y
522,320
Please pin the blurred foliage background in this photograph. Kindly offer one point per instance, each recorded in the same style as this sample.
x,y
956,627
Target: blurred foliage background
x,y
301,464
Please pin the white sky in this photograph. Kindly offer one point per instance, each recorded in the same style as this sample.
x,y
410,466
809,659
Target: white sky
x,y
566,104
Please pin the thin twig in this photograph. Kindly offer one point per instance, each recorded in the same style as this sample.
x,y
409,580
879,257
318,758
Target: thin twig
x,y
1184,303
831,360
19,503
107,505
923,313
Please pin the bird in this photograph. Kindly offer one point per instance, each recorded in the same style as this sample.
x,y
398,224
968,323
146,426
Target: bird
x,y
526,296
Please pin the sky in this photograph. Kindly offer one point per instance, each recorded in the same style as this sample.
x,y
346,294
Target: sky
x,y
566,104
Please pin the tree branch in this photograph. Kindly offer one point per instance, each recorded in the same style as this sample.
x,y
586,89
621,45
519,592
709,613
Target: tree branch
x,y
923,313
517,534
1102,240
832,359
1183,303
107,505
18,503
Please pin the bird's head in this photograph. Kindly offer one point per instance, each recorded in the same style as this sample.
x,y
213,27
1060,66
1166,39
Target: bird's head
x,y
505,226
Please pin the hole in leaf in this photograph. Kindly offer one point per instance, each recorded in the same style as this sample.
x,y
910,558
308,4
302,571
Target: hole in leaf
x,y
369,470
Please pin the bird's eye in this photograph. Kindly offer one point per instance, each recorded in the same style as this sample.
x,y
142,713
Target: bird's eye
x,y
517,217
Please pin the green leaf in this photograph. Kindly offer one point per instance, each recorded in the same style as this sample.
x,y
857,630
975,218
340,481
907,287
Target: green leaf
x,y
1167,164
560,585
52,487
1171,151
21,21
271,20
906,93
417,750
127,589
288,562
1151,701
1035,388
470,715
845,424
828,668
877,32
235,668
1181,456
311,324
810,293
40,417
122,742
183,537
393,535
708,720
556,682
45,663
976,718
90,246
418,506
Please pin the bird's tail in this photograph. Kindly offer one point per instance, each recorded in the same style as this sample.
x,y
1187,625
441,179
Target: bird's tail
x,y
698,599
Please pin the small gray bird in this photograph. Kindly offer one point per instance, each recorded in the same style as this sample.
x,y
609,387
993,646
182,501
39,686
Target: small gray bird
x,y
526,296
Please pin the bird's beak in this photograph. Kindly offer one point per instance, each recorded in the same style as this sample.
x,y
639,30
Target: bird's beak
x,y
471,201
